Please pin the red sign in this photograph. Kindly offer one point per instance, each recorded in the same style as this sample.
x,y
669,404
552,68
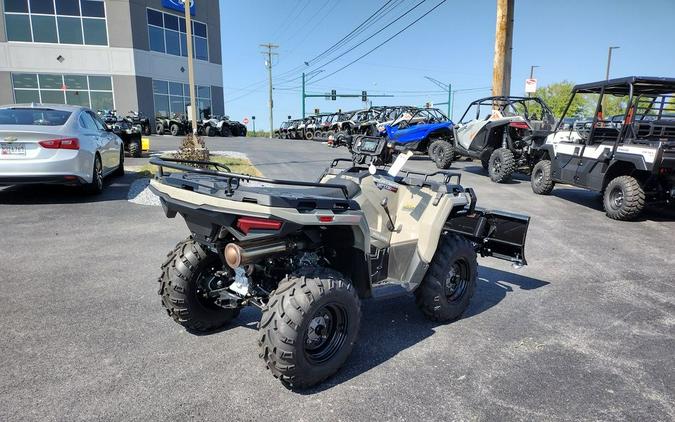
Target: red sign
x,y
530,86
245,121
64,88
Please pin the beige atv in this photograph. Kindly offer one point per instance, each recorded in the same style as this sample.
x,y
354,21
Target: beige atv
x,y
307,253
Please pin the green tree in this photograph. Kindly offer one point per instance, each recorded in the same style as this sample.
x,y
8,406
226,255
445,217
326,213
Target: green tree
x,y
557,95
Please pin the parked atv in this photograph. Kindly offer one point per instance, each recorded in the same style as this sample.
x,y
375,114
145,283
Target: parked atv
x,y
306,253
175,125
128,133
505,133
208,127
139,120
424,130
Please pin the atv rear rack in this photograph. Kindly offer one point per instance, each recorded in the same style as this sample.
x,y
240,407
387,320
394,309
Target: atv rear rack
x,y
232,179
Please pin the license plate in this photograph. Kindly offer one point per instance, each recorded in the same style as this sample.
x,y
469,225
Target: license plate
x,y
12,149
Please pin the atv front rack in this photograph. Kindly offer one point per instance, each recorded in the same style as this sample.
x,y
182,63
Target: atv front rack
x,y
232,179
406,174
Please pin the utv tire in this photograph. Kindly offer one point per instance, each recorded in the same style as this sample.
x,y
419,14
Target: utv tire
x,y
624,198
119,171
211,131
450,282
309,326
502,165
160,129
309,135
181,288
441,152
541,181
175,130
146,130
135,149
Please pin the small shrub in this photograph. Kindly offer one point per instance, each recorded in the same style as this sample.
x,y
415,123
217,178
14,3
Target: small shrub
x,y
192,148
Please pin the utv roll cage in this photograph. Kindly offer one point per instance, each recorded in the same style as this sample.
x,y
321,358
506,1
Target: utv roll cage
x,y
509,105
649,115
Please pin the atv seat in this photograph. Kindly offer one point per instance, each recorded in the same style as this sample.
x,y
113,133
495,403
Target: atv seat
x,y
353,189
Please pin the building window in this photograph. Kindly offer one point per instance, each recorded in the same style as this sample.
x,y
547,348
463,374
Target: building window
x,y
172,98
167,35
90,91
56,21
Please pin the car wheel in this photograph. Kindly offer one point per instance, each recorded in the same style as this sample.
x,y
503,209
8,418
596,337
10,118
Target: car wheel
x,y
175,130
541,181
119,171
96,185
624,198
502,165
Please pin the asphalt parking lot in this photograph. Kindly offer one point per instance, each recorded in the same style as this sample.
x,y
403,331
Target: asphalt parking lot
x,y
585,332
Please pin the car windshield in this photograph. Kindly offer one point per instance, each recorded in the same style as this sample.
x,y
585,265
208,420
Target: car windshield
x,y
33,116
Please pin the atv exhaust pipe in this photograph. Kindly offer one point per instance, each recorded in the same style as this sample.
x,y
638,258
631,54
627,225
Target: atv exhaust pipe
x,y
236,256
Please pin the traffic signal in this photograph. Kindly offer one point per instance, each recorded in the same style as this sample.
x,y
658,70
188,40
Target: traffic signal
x,y
364,96
316,111
333,95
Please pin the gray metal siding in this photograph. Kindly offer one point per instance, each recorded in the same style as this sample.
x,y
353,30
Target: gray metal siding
x,y
3,37
6,94
146,103
124,88
119,30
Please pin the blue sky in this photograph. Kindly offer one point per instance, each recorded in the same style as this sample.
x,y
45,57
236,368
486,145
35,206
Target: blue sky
x,y
455,44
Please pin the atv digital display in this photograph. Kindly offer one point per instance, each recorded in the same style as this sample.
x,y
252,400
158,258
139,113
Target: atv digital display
x,y
369,145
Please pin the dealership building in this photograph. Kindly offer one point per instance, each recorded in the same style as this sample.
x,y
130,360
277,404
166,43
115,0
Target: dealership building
x,y
113,54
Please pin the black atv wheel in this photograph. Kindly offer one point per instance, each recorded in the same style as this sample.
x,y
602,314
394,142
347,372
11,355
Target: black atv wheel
x,y
210,131
146,130
624,198
119,171
541,181
450,281
309,326
502,165
135,149
225,131
441,153
185,281
159,129
175,130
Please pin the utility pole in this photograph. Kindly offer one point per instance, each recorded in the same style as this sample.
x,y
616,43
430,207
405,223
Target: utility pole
x,y
609,61
501,69
191,70
303,95
268,64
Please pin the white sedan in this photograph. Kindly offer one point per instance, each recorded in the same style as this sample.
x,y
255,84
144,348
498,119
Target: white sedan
x,y
57,144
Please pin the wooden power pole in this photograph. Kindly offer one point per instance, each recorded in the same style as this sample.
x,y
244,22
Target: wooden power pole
x,y
501,70
268,64
191,69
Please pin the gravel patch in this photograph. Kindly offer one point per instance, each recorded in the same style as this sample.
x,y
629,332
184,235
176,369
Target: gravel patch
x,y
139,193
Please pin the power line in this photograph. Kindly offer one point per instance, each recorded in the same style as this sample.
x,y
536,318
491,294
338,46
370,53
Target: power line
x,y
383,43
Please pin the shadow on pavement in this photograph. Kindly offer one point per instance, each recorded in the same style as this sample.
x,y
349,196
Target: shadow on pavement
x,y
115,189
516,178
390,326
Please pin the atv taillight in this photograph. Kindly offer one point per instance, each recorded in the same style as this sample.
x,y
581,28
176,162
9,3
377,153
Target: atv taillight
x,y
519,125
246,224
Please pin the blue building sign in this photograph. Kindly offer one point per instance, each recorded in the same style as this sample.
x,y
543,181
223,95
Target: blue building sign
x,y
179,5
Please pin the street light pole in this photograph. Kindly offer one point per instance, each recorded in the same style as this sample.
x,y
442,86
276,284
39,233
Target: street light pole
x,y
609,61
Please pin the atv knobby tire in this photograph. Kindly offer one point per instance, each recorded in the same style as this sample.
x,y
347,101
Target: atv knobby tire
x,y
541,181
179,288
225,131
309,135
307,306
441,152
135,149
175,130
502,165
160,129
450,281
624,198
211,131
